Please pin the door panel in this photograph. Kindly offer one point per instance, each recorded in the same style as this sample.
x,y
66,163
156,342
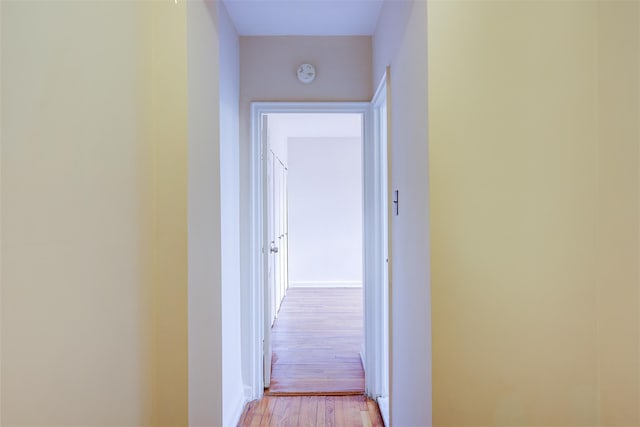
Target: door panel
x,y
276,237
277,234
268,245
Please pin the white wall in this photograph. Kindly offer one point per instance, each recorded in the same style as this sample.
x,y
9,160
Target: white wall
x,y
325,211
401,42
216,393
232,385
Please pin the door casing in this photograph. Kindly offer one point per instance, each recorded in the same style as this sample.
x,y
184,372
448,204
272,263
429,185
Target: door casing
x,y
254,317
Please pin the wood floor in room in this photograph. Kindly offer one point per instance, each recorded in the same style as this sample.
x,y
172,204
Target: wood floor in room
x,y
317,377
316,343
313,411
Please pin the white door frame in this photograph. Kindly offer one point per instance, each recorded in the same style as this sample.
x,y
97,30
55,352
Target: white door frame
x,y
381,300
254,315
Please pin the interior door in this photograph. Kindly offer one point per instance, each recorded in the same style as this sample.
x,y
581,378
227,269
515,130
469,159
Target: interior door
x,y
276,235
280,218
274,247
269,248
285,231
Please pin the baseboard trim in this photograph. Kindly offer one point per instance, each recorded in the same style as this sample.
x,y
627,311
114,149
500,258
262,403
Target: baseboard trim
x,y
383,405
328,284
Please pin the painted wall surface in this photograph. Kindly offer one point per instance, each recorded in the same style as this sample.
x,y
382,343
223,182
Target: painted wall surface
x,y
167,149
94,284
618,288
268,73
77,316
229,63
325,211
401,42
204,216
269,64
534,182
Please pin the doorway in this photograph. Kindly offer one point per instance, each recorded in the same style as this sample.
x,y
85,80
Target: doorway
x,y
374,253
314,223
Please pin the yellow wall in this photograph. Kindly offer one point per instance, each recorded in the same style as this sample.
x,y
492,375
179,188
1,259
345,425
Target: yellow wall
x,y
534,199
167,145
618,213
93,214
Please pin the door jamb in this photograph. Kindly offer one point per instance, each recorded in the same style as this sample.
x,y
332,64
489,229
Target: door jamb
x,y
380,385
254,315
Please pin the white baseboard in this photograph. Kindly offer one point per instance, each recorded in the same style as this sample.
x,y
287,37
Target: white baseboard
x,y
383,404
324,284
232,417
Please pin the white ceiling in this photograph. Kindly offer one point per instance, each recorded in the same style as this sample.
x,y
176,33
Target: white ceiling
x,y
304,17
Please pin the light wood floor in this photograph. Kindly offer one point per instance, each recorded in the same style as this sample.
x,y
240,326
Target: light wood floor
x,y
314,411
316,343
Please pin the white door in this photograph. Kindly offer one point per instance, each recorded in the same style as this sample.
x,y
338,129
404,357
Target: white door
x,y
285,232
277,235
281,197
269,249
276,239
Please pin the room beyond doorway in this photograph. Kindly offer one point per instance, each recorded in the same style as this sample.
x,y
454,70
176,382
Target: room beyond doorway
x,y
314,213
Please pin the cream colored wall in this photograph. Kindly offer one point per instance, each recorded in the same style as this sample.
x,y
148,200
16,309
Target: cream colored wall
x,y
534,196
167,147
76,312
204,216
93,214
618,213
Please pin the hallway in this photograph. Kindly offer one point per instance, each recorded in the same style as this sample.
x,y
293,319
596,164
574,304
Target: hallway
x,y
317,340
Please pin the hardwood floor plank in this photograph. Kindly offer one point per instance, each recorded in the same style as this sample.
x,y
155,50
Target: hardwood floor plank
x,y
374,414
269,409
340,416
277,417
321,411
362,403
329,413
308,411
366,420
256,420
352,414
243,419
291,411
